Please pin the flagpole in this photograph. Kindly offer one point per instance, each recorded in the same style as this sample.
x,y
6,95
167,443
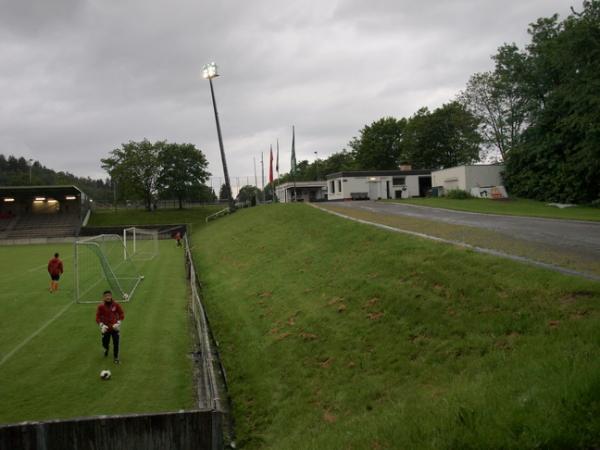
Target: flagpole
x,y
271,179
293,162
277,168
262,170
255,179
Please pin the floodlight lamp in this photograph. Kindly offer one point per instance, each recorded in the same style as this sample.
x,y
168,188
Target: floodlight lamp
x,y
70,197
52,201
209,71
40,199
9,200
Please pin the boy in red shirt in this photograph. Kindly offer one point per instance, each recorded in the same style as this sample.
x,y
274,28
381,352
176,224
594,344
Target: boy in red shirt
x,y
55,269
109,315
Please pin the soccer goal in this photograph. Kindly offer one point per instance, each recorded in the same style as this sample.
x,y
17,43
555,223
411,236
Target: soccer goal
x,y
140,244
99,265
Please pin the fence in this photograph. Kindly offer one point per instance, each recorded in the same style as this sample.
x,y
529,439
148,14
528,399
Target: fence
x,y
212,380
184,430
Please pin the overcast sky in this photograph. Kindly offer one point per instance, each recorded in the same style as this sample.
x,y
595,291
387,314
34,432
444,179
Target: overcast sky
x,y
80,77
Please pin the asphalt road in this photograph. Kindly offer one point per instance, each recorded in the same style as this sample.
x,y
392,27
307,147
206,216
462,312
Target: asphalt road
x,y
579,237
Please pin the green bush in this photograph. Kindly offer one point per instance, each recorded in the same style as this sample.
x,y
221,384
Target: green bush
x,y
458,194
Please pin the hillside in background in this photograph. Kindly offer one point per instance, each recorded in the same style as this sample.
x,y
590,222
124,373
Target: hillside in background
x,y
16,172
338,335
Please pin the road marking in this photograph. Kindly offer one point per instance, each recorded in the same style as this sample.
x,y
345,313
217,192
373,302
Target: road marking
x,y
488,251
29,338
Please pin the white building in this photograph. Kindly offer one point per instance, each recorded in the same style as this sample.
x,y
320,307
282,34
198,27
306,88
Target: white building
x,y
303,191
378,184
467,178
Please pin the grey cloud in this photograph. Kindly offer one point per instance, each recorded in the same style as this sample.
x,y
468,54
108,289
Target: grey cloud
x,y
79,77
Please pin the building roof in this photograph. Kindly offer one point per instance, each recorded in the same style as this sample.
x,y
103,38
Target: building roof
x,y
302,184
378,173
50,191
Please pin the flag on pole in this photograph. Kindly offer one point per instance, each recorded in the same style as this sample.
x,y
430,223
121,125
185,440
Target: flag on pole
x,y
277,160
271,167
293,161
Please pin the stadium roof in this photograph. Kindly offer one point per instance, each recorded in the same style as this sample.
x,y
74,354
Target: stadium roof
x,y
38,190
378,173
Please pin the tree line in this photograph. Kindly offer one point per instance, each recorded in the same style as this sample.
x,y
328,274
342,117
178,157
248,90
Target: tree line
x,y
20,172
538,111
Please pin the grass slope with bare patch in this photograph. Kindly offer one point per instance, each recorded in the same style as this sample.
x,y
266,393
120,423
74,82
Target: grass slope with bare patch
x,y
339,335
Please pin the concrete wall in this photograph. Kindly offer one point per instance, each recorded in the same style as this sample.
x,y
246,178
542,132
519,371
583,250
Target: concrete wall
x,y
186,430
467,177
452,178
483,176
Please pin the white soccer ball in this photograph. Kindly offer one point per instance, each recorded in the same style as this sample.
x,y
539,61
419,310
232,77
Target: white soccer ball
x,y
105,374
125,296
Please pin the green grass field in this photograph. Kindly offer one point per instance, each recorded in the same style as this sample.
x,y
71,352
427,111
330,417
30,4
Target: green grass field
x,y
50,368
337,335
513,207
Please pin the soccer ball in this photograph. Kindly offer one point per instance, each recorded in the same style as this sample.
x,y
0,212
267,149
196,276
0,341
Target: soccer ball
x,y
125,296
105,374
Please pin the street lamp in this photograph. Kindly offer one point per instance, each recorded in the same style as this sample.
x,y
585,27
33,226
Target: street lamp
x,y
317,164
30,167
209,71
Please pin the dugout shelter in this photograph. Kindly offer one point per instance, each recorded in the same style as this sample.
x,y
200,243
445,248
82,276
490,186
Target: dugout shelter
x,y
36,211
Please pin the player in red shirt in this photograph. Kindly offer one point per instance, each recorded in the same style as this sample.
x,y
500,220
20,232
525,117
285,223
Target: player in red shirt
x,y
55,269
109,315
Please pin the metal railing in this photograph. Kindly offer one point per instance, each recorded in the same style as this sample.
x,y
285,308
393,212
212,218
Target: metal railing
x,y
218,214
213,384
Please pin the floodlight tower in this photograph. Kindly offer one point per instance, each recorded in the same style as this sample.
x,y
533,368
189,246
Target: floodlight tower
x,y
209,71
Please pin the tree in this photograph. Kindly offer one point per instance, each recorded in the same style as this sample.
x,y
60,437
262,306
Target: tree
x,y
378,146
337,162
224,192
559,156
248,194
136,168
499,100
182,171
445,138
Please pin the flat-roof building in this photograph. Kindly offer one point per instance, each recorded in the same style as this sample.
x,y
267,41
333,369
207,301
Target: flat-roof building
x,y
378,184
302,191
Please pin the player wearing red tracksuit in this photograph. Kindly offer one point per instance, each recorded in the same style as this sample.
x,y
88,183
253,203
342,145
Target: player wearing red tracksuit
x,y
55,269
109,315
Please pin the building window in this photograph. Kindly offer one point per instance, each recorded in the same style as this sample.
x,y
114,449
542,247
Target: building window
x,y
399,181
339,185
332,187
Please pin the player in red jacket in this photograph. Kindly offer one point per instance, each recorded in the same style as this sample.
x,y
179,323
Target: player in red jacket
x,y
55,269
109,315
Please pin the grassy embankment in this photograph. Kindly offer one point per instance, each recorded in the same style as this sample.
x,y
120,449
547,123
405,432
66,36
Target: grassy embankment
x,y
513,207
340,335
109,217
479,237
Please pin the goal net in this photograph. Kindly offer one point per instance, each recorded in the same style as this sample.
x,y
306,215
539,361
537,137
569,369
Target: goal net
x,y
140,244
99,264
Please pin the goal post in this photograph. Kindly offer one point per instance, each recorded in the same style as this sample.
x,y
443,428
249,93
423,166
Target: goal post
x,y
140,243
99,265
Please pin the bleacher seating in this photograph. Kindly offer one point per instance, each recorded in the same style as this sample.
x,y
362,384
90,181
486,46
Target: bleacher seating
x,y
41,226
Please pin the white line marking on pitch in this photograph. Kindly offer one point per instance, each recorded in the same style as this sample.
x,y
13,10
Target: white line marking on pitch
x,y
26,341
25,272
